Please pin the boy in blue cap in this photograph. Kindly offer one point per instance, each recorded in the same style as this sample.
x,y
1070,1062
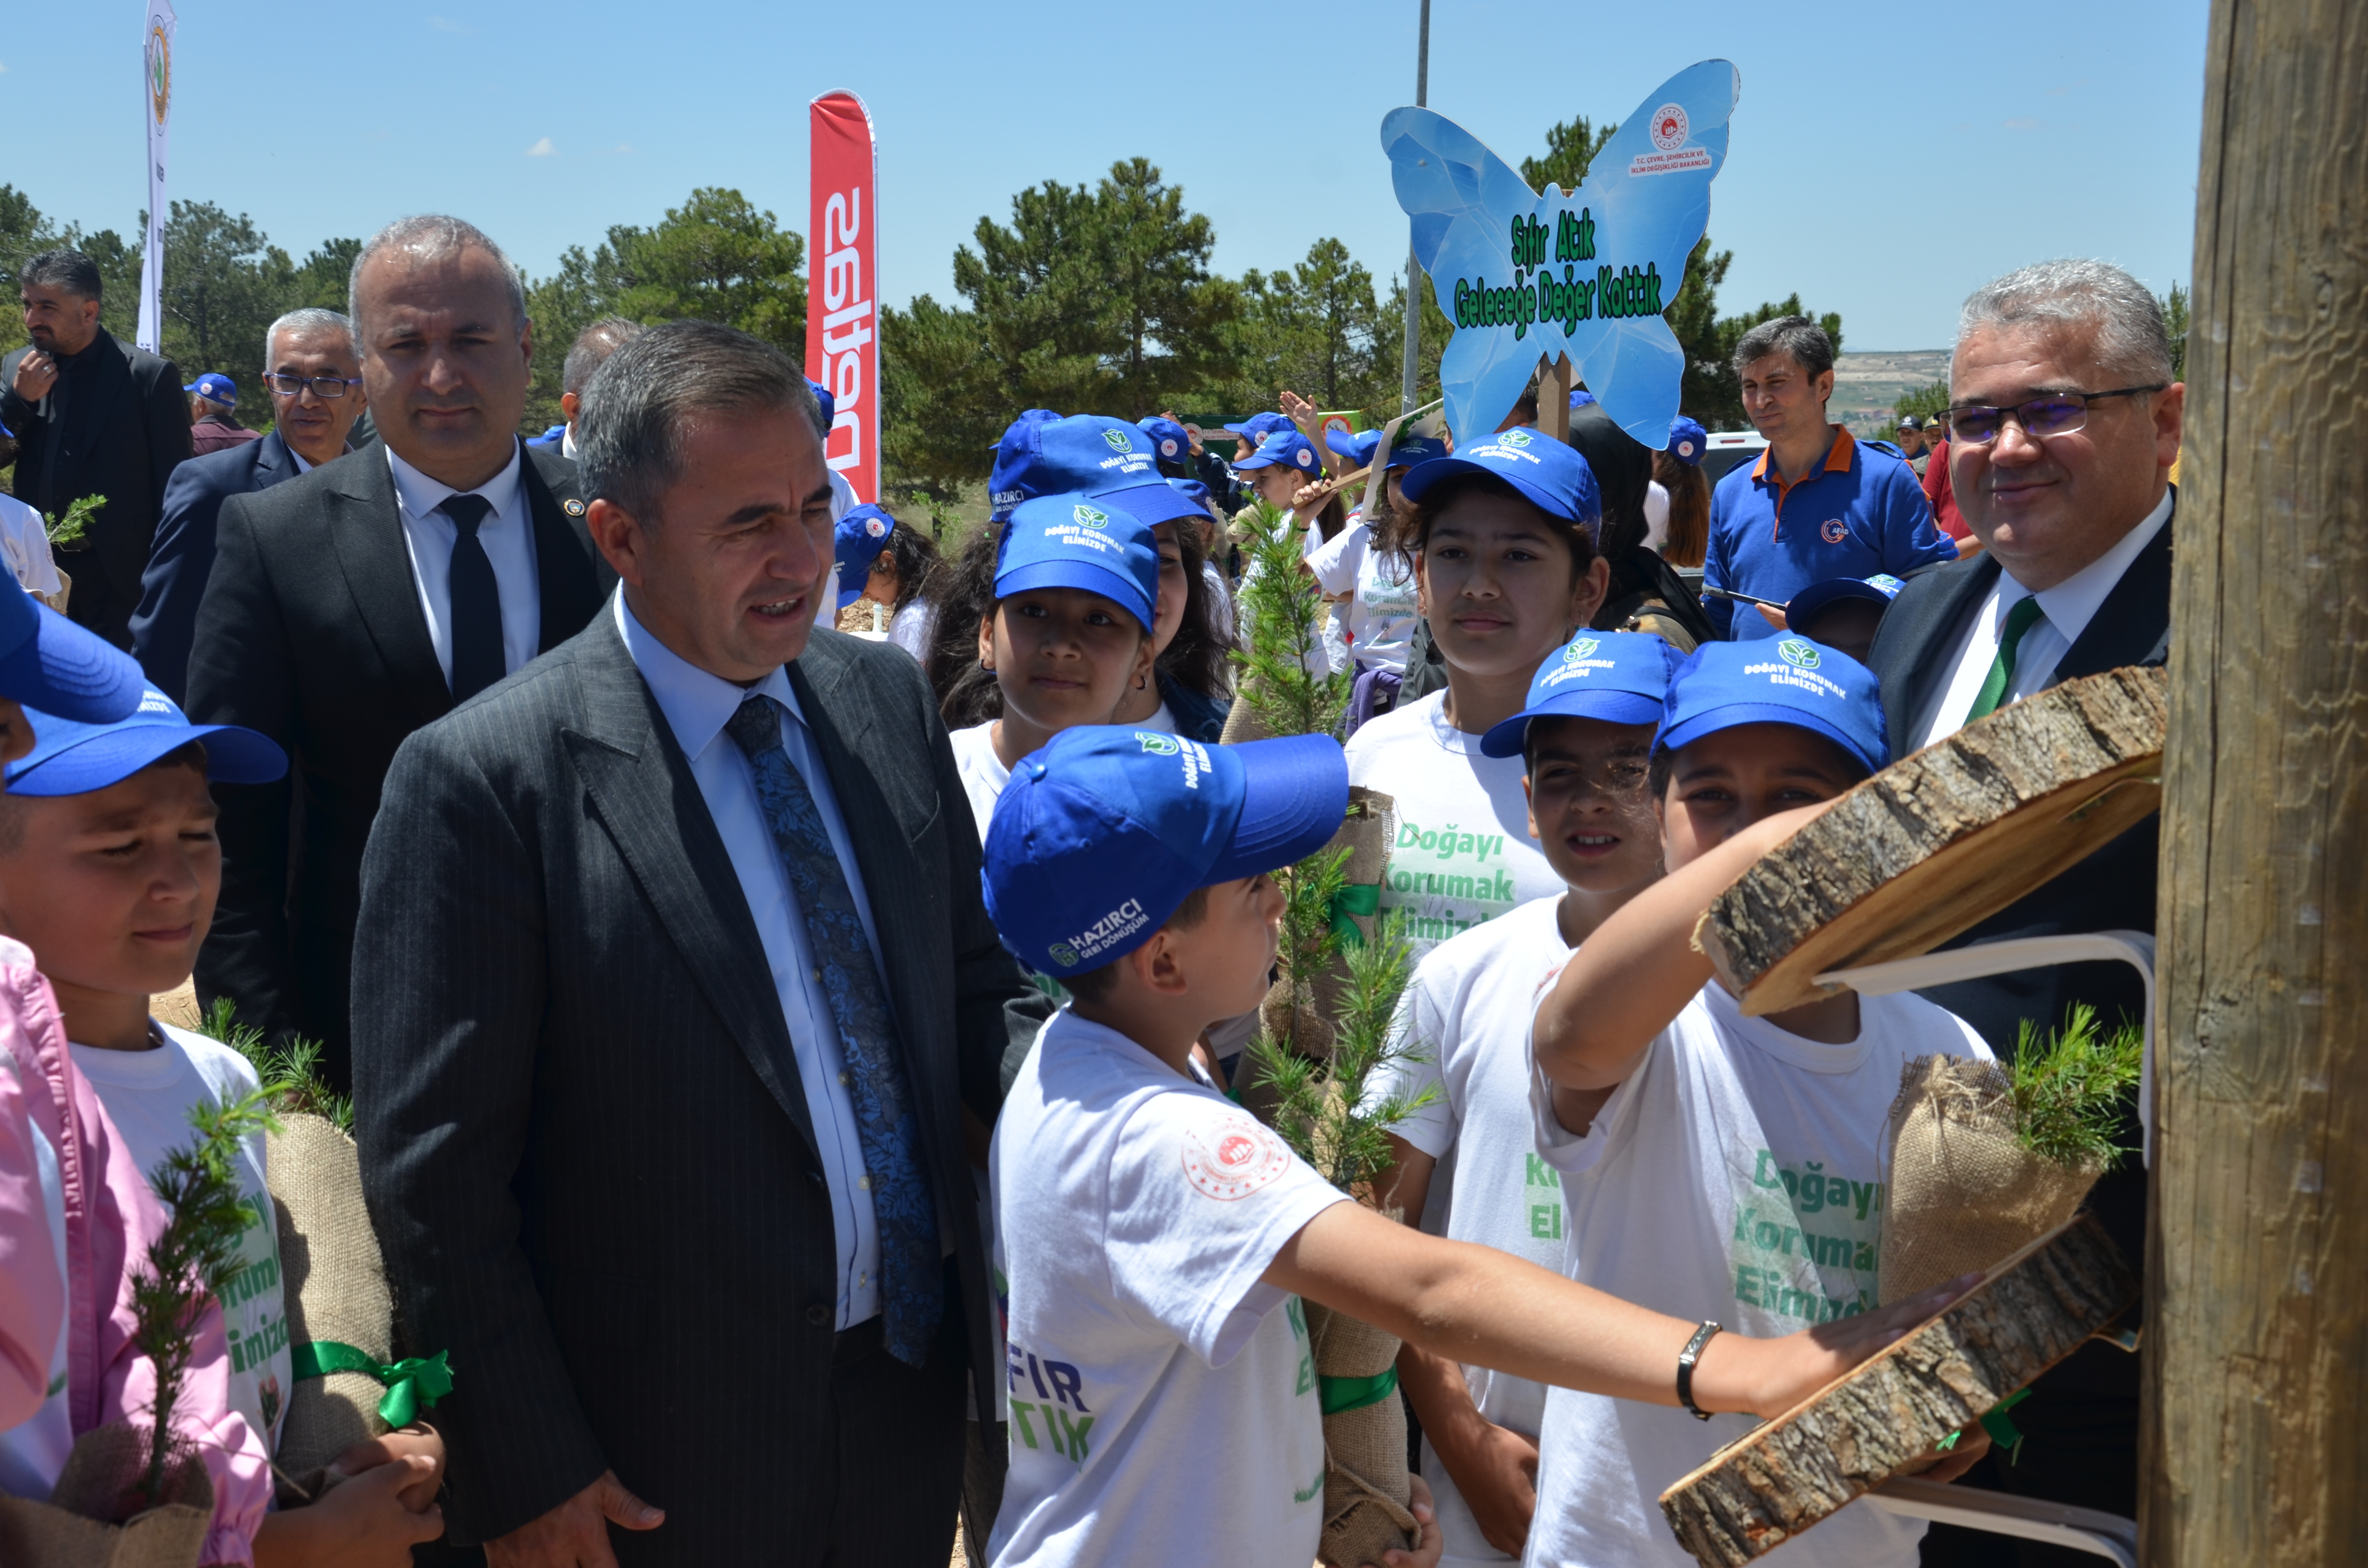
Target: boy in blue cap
x,y
1376,587
1068,636
1151,1236
1712,1163
108,872
1843,612
1463,1163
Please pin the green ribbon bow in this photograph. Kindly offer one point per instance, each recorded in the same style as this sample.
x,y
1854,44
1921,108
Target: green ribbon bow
x,y
1358,898
1995,1421
1334,1395
410,1384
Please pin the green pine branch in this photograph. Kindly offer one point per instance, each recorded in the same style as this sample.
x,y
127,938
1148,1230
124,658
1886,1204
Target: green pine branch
x,y
1283,612
2071,1093
74,529
291,1074
190,1259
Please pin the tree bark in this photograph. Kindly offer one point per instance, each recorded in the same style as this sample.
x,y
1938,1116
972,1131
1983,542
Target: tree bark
x,y
2257,1325
2033,1310
1941,839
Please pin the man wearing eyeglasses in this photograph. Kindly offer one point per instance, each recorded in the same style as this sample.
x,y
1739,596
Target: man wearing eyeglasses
x,y
314,373
2064,421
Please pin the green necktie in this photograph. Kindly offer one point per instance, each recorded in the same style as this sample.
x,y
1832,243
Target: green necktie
x,y
1994,685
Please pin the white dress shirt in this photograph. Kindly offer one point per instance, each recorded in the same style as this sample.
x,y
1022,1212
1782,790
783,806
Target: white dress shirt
x,y
2064,611
697,706
507,534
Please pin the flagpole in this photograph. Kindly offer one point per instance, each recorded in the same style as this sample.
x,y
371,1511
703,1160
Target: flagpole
x,y
1413,269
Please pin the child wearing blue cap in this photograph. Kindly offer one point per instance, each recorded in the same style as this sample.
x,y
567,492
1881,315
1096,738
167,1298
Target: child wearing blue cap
x,y
108,872
1376,587
1732,1163
1501,540
1069,633
1843,613
1464,1167
1151,1236
1681,532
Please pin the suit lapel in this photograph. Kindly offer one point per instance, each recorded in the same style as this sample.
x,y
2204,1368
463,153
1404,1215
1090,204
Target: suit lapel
x,y
570,583
366,528
642,786
272,457
1942,600
2129,626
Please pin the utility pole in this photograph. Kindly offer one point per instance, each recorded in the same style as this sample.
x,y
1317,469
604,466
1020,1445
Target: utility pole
x,y
1414,269
2257,1291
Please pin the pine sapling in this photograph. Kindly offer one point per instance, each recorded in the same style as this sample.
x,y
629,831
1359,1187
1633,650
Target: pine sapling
x,y
73,529
291,1074
1282,611
2070,1093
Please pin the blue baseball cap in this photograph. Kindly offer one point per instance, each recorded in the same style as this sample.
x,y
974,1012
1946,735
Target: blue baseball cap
x,y
1580,397
829,403
1551,473
214,385
1783,680
863,535
1357,446
1100,836
74,758
1171,440
1879,589
48,662
1410,449
1193,491
1156,503
1259,427
1618,678
1286,447
1075,541
1086,452
1688,440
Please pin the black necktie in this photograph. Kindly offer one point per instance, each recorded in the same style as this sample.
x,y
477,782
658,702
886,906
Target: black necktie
x,y
477,660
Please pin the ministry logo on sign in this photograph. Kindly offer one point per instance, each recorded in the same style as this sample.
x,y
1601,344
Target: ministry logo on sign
x,y
160,71
1669,127
1798,652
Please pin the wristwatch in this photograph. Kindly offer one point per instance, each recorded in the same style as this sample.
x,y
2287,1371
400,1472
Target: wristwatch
x,y
1686,1359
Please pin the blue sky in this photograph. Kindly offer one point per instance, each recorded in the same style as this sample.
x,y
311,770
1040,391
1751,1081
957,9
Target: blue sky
x,y
1881,163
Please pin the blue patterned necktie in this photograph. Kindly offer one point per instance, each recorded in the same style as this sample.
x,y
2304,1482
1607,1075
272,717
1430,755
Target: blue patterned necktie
x,y
911,1277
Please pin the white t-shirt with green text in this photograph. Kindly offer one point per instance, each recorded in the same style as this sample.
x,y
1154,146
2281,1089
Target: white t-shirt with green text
x,y
1462,853
1163,1398
1383,613
1735,1174
148,1095
1463,1027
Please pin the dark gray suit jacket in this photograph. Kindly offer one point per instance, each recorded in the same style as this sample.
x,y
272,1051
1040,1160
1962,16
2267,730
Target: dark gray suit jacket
x,y
1913,657
585,1147
310,631
183,556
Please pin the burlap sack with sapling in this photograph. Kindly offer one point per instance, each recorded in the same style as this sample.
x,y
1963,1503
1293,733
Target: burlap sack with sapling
x,y
1321,1110
1982,1158
135,1494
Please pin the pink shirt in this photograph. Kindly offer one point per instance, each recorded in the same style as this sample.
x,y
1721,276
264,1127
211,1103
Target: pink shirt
x,y
111,1218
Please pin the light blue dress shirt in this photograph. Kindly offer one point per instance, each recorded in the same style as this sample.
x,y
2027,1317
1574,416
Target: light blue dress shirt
x,y
697,706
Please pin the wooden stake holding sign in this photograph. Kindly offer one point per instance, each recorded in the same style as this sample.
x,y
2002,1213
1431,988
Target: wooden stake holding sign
x,y
1942,840
2034,1310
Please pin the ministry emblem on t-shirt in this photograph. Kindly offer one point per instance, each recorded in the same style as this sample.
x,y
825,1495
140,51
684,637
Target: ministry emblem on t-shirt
x,y
1229,1157
1834,530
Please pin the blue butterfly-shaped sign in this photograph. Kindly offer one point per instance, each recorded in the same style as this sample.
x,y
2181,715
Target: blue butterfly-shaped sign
x,y
1588,273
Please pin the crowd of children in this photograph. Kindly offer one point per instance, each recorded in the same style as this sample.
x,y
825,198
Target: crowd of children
x,y
1626,1205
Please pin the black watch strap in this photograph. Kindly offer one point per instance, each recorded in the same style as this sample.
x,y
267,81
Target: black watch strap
x,y
1686,1359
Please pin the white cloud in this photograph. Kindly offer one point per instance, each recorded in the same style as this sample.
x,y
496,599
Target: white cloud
x,y
543,149
621,147
3,68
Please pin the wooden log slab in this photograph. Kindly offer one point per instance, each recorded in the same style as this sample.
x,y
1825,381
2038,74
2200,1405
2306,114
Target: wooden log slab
x,y
1943,839
1850,1436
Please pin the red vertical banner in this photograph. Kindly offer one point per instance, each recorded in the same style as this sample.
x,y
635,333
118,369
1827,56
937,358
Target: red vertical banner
x,y
842,326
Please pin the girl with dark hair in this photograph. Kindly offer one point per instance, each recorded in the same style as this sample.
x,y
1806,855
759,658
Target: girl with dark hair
x,y
1644,594
1192,685
903,583
1678,470
1501,539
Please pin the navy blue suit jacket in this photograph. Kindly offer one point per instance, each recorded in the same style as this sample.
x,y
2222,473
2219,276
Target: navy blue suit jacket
x,y
183,557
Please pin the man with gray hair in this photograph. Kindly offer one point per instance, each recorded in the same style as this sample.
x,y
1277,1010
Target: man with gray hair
x,y
1855,510
675,1003
350,606
313,370
2063,423
93,415
590,351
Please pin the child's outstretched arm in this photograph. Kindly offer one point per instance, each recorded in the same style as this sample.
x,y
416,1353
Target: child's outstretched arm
x,y
1476,1304
1640,968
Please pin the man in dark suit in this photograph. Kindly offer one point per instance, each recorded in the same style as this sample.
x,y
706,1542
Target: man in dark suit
x,y
349,607
92,416
315,379
2064,422
673,987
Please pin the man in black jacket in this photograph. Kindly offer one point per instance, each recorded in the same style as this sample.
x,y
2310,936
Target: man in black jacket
x,y
92,416
673,987
349,607
2065,421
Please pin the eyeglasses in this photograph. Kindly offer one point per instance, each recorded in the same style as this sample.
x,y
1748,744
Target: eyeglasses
x,y
2056,414
322,386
